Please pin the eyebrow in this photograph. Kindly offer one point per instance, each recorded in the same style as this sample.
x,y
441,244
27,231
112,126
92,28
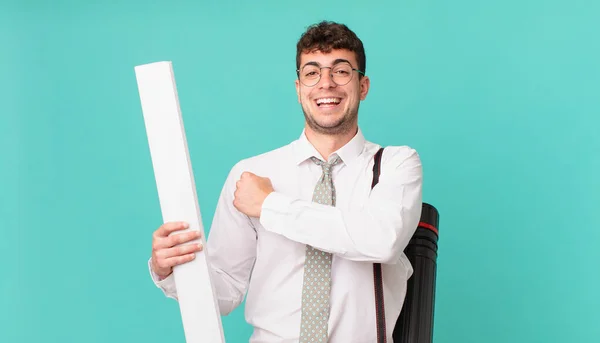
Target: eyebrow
x,y
337,61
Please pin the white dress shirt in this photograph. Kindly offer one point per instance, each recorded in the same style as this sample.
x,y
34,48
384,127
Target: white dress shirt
x,y
263,258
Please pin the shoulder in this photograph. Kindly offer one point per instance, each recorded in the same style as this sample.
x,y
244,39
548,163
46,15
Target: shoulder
x,y
263,162
394,156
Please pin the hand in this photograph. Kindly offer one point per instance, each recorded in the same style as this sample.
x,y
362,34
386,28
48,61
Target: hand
x,y
168,250
250,193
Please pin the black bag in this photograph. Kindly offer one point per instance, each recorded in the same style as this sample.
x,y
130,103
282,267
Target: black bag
x,y
415,323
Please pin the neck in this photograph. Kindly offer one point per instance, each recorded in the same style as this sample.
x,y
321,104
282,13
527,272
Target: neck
x,y
326,144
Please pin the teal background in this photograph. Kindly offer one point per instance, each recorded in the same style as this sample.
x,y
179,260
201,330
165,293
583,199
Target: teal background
x,y
501,99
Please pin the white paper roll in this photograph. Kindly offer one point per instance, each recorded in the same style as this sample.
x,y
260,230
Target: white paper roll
x,y
177,196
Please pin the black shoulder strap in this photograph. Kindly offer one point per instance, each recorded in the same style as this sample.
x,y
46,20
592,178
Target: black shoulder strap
x,y
377,275
377,167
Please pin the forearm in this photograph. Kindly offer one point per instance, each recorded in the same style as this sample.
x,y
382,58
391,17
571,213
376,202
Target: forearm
x,y
229,293
377,231
230,251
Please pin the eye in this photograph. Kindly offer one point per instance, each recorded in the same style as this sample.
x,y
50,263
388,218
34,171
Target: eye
x,y
342,70
310,72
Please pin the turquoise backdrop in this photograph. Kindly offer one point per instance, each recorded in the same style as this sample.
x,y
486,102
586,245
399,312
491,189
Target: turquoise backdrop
x,y
500,98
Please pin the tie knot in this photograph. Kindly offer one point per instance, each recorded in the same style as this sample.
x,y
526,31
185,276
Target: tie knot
x,y
335,159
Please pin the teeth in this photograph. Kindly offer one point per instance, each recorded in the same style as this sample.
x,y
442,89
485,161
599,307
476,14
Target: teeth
x,y
328,101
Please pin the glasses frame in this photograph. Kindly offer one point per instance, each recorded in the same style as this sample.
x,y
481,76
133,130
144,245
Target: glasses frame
x,y
330,74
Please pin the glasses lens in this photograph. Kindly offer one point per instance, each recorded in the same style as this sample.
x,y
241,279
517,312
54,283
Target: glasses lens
x,y
310,75
342,73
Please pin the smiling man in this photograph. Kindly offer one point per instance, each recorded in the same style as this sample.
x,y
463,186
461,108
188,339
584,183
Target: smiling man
x,y
297,229
331,108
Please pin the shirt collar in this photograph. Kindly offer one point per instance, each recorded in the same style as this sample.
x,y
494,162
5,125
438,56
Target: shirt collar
x,y
304,150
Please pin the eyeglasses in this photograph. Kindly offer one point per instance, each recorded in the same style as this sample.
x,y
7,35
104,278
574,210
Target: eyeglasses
x,y
341,74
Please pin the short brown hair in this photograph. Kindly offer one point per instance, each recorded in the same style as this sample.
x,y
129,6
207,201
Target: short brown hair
x,y
326,36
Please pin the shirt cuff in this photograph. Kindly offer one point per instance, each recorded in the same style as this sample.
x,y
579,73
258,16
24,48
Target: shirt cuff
x,y
167,285
274,208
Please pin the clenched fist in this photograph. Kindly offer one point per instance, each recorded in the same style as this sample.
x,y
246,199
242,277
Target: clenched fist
x,y
251,191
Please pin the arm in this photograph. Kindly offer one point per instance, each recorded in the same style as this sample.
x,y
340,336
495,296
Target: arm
x,y
231,251
231,248
376,232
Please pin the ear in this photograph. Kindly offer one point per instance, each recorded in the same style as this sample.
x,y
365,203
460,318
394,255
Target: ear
x,y
365,84
298,90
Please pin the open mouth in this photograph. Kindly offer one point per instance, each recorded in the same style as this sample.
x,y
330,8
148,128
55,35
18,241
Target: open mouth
x,y
328,102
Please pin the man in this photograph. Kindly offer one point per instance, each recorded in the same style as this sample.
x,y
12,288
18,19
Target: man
x,y
297,229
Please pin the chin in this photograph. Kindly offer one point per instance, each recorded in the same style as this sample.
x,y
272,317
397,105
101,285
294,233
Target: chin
x,y
330,122
336,126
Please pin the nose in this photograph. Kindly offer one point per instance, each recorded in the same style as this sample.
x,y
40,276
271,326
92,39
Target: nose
x,y
326,80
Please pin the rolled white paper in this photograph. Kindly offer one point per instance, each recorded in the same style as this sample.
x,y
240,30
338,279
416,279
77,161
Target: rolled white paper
x,y
177,196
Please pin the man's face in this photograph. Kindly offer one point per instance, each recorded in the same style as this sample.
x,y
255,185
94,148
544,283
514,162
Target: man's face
x,y
328,107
